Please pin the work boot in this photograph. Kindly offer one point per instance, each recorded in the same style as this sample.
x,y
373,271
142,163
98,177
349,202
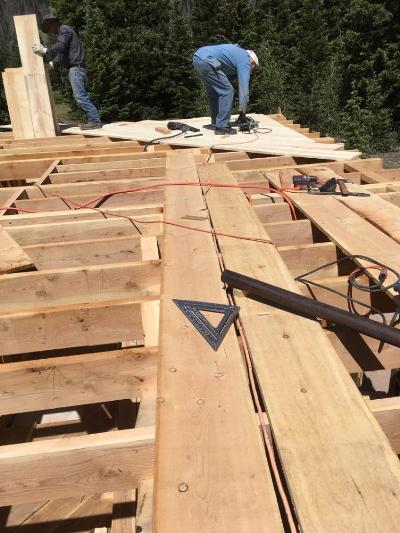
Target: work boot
x,y
210,127
91,126
228,130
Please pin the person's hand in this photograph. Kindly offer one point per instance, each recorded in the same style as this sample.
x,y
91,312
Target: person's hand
x,y
51,66
39,49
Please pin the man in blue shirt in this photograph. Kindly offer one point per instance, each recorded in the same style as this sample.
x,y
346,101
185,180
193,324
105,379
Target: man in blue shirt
x,y
217,64
68,52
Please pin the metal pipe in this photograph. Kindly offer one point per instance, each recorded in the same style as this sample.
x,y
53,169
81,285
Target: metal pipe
x,y
298,304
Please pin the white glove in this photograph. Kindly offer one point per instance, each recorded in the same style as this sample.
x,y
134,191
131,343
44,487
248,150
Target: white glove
x,y
51,66
39,49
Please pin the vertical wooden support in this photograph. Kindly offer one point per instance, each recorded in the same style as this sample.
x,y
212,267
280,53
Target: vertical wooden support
x,y
18,103
35,78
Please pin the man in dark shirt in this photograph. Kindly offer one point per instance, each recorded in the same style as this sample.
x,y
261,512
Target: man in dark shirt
x,y
68,52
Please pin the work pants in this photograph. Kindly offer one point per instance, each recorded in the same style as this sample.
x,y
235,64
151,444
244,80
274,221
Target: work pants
x,y
77,78
219,90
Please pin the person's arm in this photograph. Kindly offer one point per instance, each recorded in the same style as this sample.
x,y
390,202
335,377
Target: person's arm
x,y
62,43
243,73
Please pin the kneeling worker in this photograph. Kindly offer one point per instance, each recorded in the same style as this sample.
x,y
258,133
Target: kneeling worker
x,y
216,64
68,52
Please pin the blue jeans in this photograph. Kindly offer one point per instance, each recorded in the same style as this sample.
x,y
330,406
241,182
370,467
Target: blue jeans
x,y
77,78
219,90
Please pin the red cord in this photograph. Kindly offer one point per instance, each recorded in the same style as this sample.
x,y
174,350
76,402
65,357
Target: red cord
x,y
87,205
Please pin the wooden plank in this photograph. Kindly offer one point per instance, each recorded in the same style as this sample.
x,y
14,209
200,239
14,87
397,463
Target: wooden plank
x,y
18,103
85,253
112,165
302,258
262,163
24,291
82,230
95,175
387,412
273,212
123,147
27,219
41,113
293,232
134,199
200,415
93,188
12,257
89,324
326,442
74,466
378,212
76,380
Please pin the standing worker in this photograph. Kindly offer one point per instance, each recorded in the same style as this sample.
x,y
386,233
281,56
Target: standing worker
x,y
216,64
68,52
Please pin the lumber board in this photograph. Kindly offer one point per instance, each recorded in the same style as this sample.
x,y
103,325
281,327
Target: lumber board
x,y
387,412
65,286
112,165
26,219
82,230
12,257
74,466
18,103
305,257
200,414
85,253
38,89
94,188
341,472
76,380
73,151
88,324
145,197
112,174
378,212
293,232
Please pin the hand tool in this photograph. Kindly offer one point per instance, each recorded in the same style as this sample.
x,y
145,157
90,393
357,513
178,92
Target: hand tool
x,y
182,127
213,335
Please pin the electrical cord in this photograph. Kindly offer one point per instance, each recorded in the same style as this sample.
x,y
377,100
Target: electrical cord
x,y
154,141
379,286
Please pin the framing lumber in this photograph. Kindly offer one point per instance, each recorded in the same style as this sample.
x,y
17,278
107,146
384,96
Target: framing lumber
x,y
27,219
18,103
201,415
83,230
89,324
318,435
59,468
36,80
76,380
92,252
12,257
65,286
387,412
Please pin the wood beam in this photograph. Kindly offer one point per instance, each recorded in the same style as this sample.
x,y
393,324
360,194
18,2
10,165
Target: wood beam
x,y
65,286
204,402
73,466
89,324
76,380
290,233
12,257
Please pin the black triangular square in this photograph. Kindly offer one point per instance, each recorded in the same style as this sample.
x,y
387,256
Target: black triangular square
x,y
213,335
